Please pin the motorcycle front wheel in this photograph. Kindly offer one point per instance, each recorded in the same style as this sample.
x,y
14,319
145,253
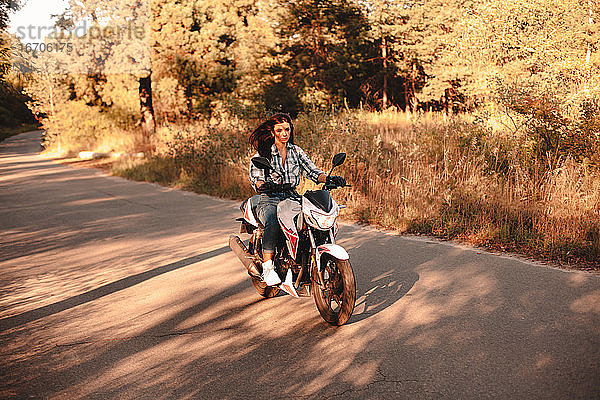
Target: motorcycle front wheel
x,y
335,301
262,288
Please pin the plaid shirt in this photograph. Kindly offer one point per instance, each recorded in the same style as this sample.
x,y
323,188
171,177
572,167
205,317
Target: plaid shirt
x,y
296,163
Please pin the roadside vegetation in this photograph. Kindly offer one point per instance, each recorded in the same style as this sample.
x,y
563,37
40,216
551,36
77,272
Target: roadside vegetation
x,y
6,132
450,177
15,117
476,121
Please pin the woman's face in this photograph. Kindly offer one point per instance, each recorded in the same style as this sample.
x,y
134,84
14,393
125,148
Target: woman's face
x,y
282,132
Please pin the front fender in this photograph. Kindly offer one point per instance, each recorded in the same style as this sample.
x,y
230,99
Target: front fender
x,y
334,250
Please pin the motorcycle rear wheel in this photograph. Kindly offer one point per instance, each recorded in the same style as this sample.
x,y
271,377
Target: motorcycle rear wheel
x,y
262,288
336,302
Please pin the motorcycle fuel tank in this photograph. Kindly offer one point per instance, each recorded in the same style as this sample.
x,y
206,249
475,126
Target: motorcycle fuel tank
x,y
287,210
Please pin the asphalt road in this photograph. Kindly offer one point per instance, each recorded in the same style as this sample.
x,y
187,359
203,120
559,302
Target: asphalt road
x,y
118,289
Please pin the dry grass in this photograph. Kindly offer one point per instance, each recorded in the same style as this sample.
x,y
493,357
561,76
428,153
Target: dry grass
x,y
455,179
425,174
209,158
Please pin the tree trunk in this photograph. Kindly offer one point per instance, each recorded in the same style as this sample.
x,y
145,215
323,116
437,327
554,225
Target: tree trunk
x,y
147,111
51,92
98,81
407,99
445,101
414,102
589,50
384,102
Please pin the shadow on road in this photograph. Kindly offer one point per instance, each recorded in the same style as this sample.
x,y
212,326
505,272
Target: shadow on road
x,y
432,320
459,323
50,309
384,291
380,284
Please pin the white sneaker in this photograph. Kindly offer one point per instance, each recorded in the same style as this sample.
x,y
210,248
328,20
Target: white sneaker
x,y
269,275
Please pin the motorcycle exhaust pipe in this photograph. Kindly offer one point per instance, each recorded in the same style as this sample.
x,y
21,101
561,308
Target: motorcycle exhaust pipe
x,y
240,250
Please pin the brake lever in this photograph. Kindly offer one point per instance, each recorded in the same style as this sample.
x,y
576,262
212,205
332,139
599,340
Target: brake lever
x,y
328,187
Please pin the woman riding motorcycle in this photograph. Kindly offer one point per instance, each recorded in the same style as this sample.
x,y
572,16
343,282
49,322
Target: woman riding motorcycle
x,y
274,140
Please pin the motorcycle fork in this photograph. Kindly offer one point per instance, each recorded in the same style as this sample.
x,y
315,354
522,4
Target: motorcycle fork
x,y
317,273
304,263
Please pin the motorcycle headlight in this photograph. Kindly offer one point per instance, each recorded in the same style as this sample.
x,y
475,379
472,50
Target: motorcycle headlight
x,y
325,221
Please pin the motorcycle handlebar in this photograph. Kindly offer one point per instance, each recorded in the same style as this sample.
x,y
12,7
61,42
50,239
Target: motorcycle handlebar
x,y
271,187
331,187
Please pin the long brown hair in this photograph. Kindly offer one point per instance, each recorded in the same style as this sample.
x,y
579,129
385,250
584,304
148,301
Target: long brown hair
x,y
262,137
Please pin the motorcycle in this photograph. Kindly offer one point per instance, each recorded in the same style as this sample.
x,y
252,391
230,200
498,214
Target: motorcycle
x,y
308,261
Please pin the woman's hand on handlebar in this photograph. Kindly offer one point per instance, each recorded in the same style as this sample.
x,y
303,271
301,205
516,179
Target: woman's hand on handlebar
x,y
266,187
336,181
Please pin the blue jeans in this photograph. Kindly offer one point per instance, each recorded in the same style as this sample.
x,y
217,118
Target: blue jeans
x,y
266,211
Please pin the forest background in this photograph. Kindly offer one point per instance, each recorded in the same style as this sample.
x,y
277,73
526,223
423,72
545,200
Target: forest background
x,y
476,120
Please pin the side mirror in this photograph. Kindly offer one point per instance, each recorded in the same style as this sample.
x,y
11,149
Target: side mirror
x,y
339,159
262,163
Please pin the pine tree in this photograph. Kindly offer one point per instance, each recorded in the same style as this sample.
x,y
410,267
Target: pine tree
x,y
429,30
391,32
324,47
